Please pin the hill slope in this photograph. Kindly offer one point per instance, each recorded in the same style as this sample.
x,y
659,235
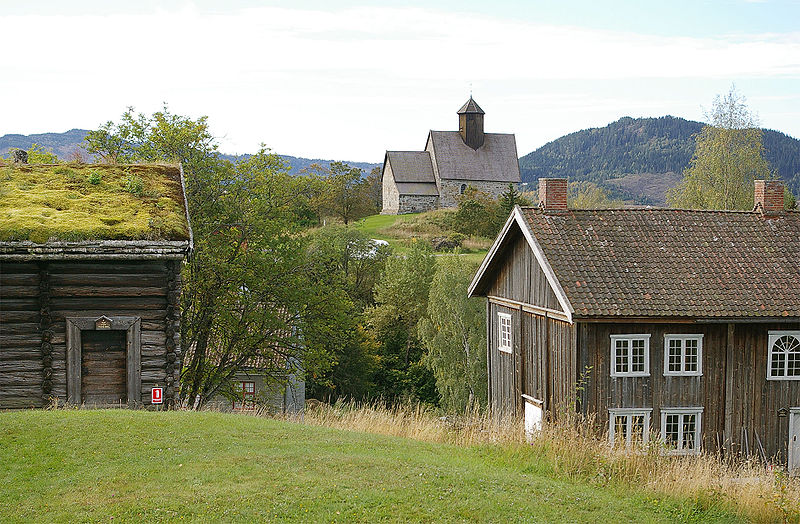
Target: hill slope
x,y
66,144
83,465
641,158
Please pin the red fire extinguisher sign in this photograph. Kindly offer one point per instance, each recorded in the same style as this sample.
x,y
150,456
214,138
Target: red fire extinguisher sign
x,y
158,395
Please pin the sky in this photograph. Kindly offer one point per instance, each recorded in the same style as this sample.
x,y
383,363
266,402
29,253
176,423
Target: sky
x,y
347,80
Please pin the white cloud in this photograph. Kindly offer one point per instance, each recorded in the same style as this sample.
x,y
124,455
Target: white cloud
x,y
348,83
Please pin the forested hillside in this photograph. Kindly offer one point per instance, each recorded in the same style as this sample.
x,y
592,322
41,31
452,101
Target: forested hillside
x,y
65,145
641,158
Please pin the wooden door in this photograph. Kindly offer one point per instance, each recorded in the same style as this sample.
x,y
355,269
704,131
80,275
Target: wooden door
x,y
794,441
103,367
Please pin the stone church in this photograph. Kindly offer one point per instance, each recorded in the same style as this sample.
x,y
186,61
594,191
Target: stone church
x,y
415,181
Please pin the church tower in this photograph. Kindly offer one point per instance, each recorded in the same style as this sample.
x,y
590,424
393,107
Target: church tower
x,y
470,123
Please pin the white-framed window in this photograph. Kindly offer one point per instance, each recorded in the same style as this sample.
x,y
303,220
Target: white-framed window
x,y
680,429
504,332
683,355
630,355
784,355
628,426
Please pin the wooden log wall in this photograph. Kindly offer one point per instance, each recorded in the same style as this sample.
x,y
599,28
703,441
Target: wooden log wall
x,y
36,299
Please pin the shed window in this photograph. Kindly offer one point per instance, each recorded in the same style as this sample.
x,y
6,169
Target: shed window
x,y
628,426
247,396
504,333
680,428
784,355
630,355
683,355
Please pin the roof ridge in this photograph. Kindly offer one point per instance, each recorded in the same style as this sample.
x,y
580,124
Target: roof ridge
x,y
685,210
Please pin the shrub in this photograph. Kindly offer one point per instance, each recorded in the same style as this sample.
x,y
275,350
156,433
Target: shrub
x,y
94,178
134,185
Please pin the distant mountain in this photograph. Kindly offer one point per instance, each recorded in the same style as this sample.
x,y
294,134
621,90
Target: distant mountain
x,y
66,144
640,158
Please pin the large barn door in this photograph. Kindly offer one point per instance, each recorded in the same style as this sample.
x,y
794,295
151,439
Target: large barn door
x,y
103,367
794,441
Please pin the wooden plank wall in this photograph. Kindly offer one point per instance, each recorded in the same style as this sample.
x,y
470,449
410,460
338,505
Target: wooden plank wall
x,y
543,363
521,278
146,289
737,379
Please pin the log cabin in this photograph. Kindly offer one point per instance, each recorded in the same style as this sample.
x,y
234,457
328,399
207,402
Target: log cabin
x,y
90,260
669,325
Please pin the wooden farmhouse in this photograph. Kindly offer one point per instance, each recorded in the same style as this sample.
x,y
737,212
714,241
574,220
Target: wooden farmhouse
x,y
666,324
90,259
415,181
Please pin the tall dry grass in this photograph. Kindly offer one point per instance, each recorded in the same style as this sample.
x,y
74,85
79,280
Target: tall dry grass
x,y
571,447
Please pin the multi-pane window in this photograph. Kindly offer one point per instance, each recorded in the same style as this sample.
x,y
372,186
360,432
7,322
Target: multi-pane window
x,y
784,355
680,429
246,396
504,333
630,355
628,426
683,354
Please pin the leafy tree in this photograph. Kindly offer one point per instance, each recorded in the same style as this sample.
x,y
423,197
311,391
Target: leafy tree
x,y
476,213
248,292
374,189
343,193
454,334
38,155
401,297
728,156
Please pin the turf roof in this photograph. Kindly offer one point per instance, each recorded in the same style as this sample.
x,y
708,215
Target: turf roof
x,y
75,202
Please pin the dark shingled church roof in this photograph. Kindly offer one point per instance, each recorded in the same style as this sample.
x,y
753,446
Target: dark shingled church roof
x,y
471,107
495,161
411,166
673,263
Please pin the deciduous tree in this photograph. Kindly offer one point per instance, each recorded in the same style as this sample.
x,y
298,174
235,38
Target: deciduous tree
x,y
728,156
454,334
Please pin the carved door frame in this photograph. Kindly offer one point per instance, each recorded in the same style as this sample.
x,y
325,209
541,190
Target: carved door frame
x,y
133,366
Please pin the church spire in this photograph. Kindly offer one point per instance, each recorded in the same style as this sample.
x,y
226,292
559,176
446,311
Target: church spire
x,y
470,123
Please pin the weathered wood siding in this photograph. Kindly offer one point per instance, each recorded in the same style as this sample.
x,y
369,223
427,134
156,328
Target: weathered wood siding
x,y
740,406
520,277
37,298
542,364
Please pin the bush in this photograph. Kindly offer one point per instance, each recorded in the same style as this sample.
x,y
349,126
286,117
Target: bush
x,y
94,178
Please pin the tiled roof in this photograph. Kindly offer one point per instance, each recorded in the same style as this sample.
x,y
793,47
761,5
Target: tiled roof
x,y
673,263
411,166
495,161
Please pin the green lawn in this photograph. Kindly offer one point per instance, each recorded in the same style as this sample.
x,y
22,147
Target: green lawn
x,y
67,466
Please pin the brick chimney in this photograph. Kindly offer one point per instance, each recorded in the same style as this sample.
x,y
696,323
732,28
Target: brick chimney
x,y
553,194
769,196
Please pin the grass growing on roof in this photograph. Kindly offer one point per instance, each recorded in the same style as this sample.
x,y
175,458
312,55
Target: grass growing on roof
x,y
73,202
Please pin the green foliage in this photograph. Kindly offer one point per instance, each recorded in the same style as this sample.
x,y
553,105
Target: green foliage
x,y
95,177
39,155
348,261
728,157
454,334
248,291
401,297
505,205
134,185
343,193
477,214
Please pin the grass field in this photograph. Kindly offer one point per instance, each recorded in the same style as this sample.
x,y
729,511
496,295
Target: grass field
x,y
120,465
399,230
